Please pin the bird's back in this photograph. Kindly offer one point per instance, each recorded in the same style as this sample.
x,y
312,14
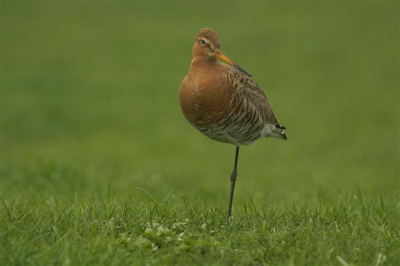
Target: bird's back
x,y
227,105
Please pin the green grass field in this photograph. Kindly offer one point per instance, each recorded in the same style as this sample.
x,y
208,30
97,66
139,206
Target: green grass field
x,y
99,166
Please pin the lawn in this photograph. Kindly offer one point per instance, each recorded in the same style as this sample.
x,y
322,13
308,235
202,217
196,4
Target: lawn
x,y
99,167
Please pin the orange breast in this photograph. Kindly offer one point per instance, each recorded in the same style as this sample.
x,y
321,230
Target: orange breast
x,y
204,98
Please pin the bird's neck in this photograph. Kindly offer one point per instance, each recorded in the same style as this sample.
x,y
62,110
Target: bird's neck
x,y
203,64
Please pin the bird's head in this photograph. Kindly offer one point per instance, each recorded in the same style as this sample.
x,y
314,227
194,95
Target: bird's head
x,y
208,46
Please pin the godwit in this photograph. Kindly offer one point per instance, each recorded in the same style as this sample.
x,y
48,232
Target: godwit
x,y
223,102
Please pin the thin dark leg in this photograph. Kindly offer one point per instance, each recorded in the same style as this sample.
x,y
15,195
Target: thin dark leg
x,y
233,182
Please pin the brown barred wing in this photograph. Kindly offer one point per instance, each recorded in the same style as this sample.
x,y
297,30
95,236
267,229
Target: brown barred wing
x,y
251,93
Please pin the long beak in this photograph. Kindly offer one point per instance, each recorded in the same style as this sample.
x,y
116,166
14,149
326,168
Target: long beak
x,y
221,55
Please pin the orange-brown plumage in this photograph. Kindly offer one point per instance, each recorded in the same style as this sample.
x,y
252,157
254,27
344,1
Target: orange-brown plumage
x,y
222,101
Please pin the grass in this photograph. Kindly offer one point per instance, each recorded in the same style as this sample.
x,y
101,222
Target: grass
x,y
99,166
350,230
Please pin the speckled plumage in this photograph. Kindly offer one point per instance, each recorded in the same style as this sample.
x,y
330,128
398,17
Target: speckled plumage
x,y
224,103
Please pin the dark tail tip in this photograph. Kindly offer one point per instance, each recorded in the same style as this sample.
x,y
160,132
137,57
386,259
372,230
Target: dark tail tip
x,y
283,134
280,126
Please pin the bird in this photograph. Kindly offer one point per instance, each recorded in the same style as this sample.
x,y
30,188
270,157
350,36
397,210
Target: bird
x,y
223,102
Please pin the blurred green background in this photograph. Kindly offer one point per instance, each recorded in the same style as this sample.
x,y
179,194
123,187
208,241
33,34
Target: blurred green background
x,y
89,99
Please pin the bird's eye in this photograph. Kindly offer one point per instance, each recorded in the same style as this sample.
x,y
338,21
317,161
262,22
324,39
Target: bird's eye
x,y
203,42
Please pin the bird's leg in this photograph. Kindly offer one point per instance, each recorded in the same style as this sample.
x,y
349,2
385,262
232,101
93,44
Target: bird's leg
x,y
233,182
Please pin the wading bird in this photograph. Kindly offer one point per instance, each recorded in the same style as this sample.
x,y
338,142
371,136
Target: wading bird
x,y
223,102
